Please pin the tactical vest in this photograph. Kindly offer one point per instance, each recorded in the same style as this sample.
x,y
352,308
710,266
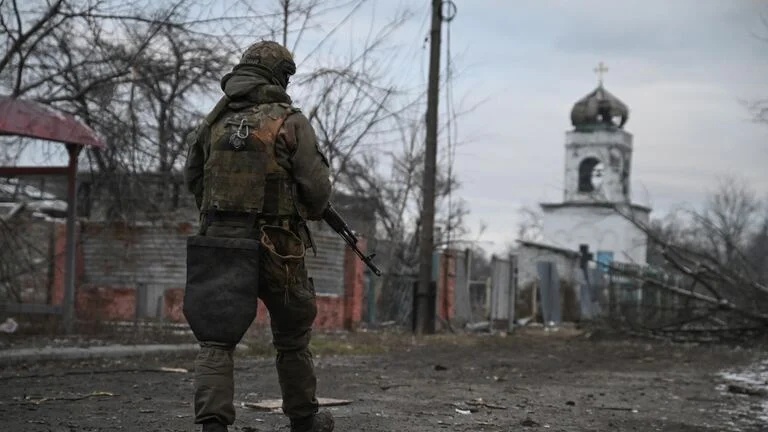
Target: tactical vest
x,y
242,173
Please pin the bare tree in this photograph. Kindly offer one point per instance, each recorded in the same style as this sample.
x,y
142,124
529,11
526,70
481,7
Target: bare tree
x,y
130,70
727,222
140,74
530,225
705,259
133,72
757,249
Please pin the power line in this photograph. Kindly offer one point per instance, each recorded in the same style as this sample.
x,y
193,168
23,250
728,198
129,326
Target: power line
x,y
333,30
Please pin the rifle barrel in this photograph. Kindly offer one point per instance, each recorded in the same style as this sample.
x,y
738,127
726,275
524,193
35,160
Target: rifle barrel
x,y
334,220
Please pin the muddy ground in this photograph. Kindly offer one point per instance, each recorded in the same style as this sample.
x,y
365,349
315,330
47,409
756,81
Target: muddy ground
x,y
528,381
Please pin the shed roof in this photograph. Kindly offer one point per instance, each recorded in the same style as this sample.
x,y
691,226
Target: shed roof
x,y
31,119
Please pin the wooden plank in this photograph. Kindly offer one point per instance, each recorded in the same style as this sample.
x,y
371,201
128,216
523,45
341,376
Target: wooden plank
x,y
276,404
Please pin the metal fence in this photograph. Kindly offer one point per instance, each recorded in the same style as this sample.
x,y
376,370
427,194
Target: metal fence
x,y
395,300
503,292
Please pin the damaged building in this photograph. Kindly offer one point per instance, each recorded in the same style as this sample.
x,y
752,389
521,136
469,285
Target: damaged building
x,y
596,216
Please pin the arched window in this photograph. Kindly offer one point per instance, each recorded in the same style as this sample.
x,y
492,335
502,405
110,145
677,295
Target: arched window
x,y
586,174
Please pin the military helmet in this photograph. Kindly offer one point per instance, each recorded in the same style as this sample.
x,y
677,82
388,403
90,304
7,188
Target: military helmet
x,y
273,56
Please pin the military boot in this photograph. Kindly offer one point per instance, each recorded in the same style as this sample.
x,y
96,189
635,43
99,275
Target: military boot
x,y
214,426
320,422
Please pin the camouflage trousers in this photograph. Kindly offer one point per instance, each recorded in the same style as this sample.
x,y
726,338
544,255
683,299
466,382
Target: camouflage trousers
x,y
292,309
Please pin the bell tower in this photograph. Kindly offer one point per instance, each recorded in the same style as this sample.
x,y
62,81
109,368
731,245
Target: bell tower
x,y
598,155
598,150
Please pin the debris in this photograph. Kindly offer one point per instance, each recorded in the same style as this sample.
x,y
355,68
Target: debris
x,y
481,403
524,321
146,411
460,406
464,412
615,408
389,386
440,367
74,398
571,403
746,390
9,326
479,326
529,422
96,372
174,370
274,405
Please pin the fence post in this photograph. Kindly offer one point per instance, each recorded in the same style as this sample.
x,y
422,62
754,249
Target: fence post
x,y
371,298
512,301
141,302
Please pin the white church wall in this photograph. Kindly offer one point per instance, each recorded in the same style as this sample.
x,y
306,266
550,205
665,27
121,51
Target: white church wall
x,y
599,227
528,256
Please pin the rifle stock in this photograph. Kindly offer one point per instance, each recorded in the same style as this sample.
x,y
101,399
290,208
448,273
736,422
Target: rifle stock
x,y
337,223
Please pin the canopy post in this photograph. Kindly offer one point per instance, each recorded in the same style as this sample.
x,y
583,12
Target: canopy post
x,y
71,249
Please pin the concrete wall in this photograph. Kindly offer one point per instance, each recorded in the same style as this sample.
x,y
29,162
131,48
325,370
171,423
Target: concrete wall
x,y
567,272
599,227
527,257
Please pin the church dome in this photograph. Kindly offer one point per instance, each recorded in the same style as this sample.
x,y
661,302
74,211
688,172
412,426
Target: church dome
x,y
599,110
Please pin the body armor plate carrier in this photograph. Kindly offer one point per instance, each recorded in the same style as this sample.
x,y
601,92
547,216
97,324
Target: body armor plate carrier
x,y
242,173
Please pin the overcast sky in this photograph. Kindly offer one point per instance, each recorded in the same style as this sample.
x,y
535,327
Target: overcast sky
x,y
683,67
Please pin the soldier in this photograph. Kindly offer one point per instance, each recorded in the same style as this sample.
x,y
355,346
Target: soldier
x,y
257,175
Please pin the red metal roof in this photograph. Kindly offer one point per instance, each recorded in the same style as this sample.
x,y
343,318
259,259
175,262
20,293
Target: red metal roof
x,y
31,119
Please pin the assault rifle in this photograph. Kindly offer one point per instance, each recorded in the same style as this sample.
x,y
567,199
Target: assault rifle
x,y
334,220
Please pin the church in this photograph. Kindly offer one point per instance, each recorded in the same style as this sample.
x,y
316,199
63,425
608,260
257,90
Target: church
x,y
597,209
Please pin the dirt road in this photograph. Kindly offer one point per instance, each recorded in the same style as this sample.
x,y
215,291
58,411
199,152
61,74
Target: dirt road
x,y
526,382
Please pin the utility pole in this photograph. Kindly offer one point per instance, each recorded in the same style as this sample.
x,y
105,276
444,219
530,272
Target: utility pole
x,y
425,319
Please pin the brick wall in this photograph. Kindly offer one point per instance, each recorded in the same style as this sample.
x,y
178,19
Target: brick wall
x,y
354,285
446,285
113,260
118,260
330,311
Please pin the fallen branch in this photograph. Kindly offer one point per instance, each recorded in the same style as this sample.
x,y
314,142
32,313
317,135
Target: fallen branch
x,y
95,372
29,400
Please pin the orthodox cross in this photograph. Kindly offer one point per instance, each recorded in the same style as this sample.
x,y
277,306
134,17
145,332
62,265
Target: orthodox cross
x,y
600,70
